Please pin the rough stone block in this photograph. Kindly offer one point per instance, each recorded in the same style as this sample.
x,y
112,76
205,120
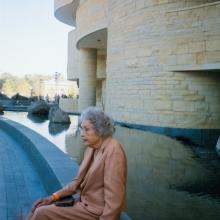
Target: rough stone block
x,y
196,47
183,106
213,45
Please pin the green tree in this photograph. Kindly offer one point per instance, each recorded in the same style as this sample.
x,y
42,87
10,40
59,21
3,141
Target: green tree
x,y
11,84
8,87
23,87
35,82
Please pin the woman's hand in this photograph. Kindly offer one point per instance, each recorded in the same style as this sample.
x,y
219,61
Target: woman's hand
x,y
41,202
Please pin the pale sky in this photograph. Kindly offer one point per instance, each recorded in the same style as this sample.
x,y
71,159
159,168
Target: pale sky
x,y
32,40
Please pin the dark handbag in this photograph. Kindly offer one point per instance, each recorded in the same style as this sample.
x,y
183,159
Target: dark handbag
x,y
65,201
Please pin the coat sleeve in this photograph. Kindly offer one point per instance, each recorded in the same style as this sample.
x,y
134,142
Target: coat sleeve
x,y
69,189
115,173
73,186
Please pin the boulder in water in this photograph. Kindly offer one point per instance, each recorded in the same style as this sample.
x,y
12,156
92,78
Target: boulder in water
x,y
19,97
1,110
56,115
39,108
55,128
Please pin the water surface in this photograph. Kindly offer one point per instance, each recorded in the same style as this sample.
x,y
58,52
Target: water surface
x,y
55,133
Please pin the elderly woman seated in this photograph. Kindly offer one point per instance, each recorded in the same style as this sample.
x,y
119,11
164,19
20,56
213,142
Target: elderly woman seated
x,y
101,180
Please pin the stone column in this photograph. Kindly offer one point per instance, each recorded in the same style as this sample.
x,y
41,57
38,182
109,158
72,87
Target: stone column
x,y
87,78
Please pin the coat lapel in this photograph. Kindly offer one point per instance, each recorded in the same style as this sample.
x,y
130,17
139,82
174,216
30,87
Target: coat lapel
x,y
86,163
97,159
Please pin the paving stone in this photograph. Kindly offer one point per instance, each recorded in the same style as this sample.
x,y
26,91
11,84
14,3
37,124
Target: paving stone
x,y
20,184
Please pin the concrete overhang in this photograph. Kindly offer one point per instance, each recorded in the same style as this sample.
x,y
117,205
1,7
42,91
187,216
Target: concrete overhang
x,y
97,39
65,11
206,67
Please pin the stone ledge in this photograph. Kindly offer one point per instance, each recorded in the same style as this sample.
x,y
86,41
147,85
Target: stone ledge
x,y
194,67
65,11
195,7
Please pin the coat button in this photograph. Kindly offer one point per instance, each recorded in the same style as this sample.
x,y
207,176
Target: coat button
x,y
85,204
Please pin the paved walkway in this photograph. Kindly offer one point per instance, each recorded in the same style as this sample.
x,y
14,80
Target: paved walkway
x,y
20,184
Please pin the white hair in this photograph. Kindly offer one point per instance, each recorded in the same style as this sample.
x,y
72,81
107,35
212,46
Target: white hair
x,y
102,123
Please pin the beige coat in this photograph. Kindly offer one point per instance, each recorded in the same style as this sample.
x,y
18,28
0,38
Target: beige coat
x,y
101,182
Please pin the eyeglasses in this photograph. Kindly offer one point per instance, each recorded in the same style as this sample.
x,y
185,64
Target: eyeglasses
x,y
86,130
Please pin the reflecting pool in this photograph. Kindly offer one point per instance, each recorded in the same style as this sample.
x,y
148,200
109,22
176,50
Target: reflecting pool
x,y
167,180
53,132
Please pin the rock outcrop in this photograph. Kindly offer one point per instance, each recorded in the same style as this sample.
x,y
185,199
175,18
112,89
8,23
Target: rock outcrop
x,y
39,108
56,115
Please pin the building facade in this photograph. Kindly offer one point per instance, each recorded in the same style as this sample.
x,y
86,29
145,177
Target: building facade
x,y
62,88
152,64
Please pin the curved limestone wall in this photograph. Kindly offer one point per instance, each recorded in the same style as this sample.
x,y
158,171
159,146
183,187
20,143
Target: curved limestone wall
x,y
91,16
163,63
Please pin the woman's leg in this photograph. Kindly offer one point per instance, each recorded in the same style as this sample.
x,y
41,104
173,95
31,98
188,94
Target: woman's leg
x,y
52,212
